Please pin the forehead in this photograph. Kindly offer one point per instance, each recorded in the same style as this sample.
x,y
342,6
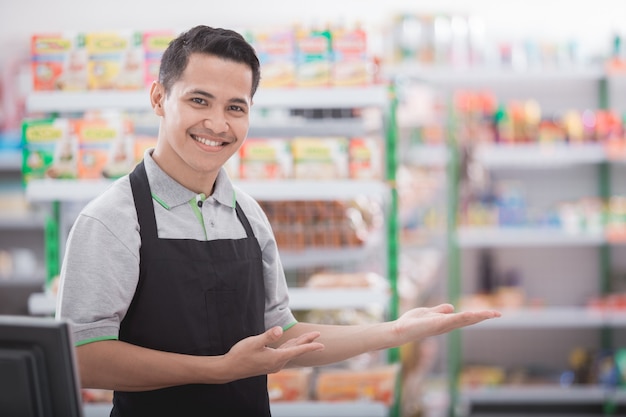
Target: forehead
x,y
204,71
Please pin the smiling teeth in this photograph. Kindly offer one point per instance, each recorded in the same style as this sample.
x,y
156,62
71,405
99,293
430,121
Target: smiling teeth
x,y
206,142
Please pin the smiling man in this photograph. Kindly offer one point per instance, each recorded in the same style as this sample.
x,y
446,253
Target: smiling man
x,y
172,278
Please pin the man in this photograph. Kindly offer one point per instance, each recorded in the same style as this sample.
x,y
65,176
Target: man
x,y
172,277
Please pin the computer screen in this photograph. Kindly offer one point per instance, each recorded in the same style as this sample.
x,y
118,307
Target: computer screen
x,y
38,374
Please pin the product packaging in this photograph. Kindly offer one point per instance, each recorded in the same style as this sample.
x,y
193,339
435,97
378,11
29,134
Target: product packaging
x,y
377,384
116,60
105,150
351,66
154,44
365,159
50,149
276,52
59,61
320,158
262,159
289,385
313,58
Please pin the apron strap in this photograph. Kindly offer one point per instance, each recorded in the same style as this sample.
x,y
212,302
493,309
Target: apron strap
x,y
143,201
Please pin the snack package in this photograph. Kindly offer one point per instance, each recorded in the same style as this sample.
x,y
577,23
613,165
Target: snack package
x,y
376,384
351,65
289,385
98,138
154,44
116,60
59,61
276,52
261,159
320,158
313,58
141,144
365,159
49,149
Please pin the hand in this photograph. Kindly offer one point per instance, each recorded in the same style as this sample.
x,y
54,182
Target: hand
x,y
253,355
423,322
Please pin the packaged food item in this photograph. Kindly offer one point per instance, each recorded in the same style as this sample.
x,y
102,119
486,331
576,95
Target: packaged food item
x,y
116,60
154,44
101,142
351,65
276,52
376,384
265,159
141,145
320,158
365,159
50,149
59,61
313,57
289,385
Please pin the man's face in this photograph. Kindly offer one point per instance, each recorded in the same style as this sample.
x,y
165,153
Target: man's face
x,y
204,119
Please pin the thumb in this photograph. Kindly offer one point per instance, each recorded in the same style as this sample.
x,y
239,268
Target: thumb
x,y
273,334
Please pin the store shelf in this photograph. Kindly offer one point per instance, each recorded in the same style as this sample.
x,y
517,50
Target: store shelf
x,y
288,409
530,156
475,237
331,97
427,155
84,190
21,222
11,160
314,257
553,317
331,298
42,304
441,74
543,394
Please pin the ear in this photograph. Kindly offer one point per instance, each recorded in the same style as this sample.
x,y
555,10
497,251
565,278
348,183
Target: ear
x,y
157,97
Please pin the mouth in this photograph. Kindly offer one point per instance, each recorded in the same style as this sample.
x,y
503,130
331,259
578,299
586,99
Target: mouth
x,y
208,142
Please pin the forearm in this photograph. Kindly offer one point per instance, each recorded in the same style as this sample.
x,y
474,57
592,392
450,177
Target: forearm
x,y
342,342
117,365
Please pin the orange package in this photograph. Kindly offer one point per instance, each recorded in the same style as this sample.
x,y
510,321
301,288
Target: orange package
x,y
377,384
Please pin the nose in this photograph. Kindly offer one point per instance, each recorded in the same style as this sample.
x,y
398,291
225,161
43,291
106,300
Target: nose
x,y
215,120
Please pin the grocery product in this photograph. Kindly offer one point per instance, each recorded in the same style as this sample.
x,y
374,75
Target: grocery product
x,y
154,44
116,60
313,57
50,149
276,51
350,57
320,158
261,159
59,61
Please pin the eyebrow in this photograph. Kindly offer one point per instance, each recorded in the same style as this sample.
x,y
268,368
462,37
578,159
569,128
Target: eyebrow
x,y
235,100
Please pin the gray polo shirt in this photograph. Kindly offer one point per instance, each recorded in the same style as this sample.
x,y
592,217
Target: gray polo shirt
x,y
100,269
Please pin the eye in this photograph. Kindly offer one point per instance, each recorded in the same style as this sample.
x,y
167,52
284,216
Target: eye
x,y
198,100
236,108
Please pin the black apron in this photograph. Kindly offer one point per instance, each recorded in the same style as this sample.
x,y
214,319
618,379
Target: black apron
x,y
197,298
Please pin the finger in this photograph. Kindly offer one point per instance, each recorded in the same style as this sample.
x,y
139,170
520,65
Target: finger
x,y
272,335
444,308
302,339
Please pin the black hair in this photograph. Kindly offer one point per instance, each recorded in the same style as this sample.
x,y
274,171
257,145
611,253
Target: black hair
x,y
223,43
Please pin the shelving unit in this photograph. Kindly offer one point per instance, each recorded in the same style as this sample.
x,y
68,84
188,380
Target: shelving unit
x,y
550,256
59,192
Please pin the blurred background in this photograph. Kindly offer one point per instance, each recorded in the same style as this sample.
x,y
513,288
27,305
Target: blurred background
x,y
406,153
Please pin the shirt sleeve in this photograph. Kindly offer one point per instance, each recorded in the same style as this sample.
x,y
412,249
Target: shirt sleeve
x,y
99,275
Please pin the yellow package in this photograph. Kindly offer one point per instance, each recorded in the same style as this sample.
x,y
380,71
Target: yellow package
x,y
320,158
276,52
265,159
116,60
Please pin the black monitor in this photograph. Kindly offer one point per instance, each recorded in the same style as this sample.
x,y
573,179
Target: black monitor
x,y
38,374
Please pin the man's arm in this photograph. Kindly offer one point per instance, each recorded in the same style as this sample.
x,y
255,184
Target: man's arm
x,y
343,342
116,365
